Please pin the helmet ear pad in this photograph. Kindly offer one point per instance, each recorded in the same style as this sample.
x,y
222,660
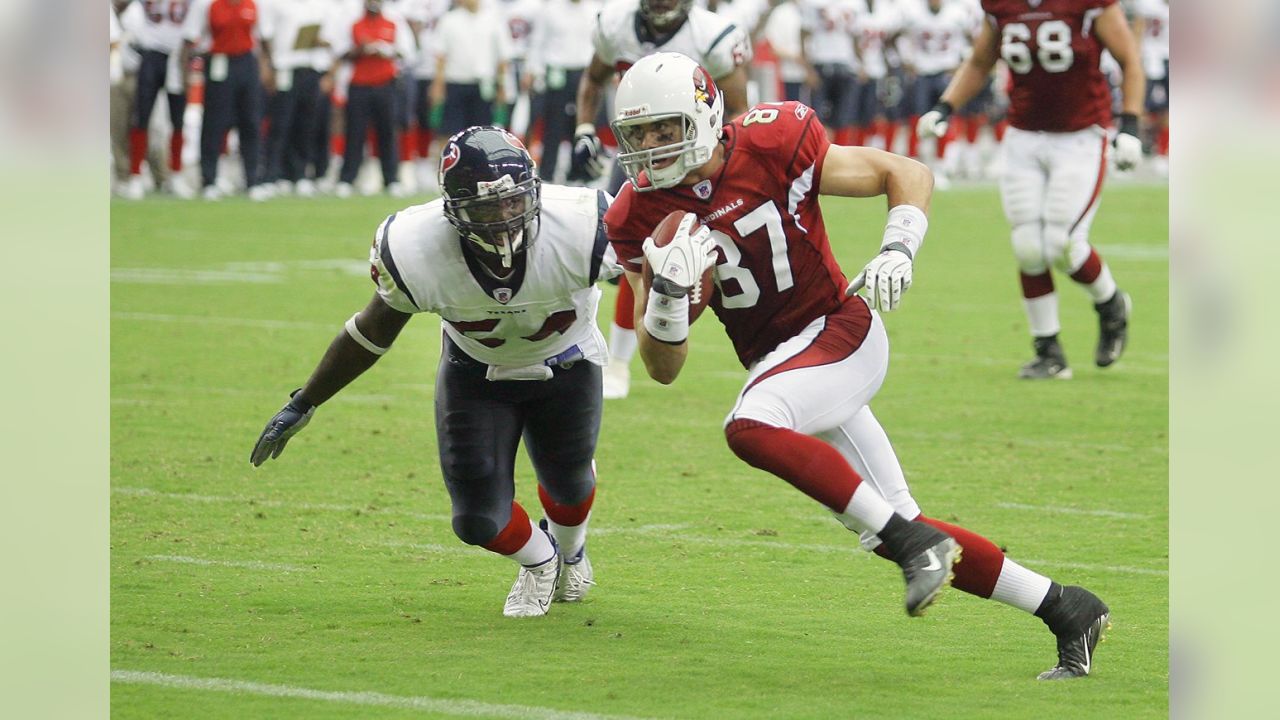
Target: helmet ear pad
x,y
658,87
492,193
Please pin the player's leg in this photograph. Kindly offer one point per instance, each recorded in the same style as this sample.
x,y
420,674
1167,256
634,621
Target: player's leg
x,y
1023,183
213,127
1071,612
151,72
560,433
247,89
814,382
356,128
478,430
384,127
1077,168
622,344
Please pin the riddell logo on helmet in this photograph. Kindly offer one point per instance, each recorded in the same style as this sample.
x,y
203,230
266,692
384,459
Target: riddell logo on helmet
x,y
450,158
634,111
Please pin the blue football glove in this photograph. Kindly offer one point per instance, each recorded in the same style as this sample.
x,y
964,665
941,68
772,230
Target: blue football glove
x,y
587,163
293,417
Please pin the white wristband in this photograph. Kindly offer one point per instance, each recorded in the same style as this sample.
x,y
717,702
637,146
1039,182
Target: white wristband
x,y
360,339
907,225
667,318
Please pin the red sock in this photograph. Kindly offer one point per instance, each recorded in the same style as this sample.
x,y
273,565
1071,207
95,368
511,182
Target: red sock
x,y
408,145
175,152
945,140
999,130
137,149
913,140
810,465
624,309
1034,286
980,563
1162,141
973,127
844,136
860,134
514,535
567,515
424,142
890,131
1089,271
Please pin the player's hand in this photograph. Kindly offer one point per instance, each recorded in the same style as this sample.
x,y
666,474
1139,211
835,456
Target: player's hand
x,y
1127,146
886,278
293,417
933,124
678,266
586,164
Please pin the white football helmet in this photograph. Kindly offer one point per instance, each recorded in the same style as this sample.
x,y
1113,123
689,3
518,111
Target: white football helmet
x,y
666,95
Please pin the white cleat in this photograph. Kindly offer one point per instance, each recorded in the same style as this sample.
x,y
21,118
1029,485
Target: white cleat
x,y
304,188
617,380
576,578
534,589
179,188
261,193
211,193
134,188
343,190
398,190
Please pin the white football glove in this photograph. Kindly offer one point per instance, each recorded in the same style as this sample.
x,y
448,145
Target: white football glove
x,y
933,124
681,262
886,278
1127,146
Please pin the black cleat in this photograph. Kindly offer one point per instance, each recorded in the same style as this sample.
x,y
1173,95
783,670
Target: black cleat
x,y
1113,328
1050,362
927,570
1078,619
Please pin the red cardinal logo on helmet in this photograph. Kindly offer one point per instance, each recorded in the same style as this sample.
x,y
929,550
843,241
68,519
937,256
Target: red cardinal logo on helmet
x,y
704,88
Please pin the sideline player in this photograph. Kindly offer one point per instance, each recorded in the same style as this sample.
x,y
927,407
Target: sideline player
x,y
815,353
510,266
627,30
1055,153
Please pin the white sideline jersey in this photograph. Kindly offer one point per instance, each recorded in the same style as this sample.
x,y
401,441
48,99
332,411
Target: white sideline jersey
x,y
1155,36
938,41
715,43
162,31
419,266
830,26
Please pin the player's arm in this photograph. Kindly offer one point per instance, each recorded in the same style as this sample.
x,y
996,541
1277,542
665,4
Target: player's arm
x,y
734,87
585,163
908,185
591,89
969,79
1113,32
365,338
662,360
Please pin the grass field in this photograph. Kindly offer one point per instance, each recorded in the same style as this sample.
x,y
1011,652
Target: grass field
x,y
328,582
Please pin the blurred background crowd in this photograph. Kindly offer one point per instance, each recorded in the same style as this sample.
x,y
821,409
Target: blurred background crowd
x,y
342,97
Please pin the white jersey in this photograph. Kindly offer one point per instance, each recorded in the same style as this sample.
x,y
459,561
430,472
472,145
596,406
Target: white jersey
x,y
293,29
1155,36
715,43
938,40
419,265
830,24
873,30
162,31
521,16
425,15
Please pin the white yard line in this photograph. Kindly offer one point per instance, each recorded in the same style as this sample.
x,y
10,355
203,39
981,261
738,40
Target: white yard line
x,y
246,564
257,502
1061,510
467,708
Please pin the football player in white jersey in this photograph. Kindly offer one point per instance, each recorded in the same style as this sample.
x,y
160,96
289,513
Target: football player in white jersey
x,y
627,30
510,266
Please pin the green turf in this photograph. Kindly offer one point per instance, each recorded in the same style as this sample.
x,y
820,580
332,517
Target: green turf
x,y
723,593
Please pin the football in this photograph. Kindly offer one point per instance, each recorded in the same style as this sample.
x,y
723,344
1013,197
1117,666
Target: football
x,y
663,234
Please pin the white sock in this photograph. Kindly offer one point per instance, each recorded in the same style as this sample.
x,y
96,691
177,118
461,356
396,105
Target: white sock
x,y
1042,314
1020,587
536,551
571,538
622,343
1103,287
867,511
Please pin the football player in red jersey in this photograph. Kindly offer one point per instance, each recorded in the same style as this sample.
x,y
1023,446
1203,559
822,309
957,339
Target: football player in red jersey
x,y
1055,152
816,353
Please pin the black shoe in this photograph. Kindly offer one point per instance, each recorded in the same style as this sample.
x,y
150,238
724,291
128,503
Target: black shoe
x,y
1050,361
927,568
1078,619
1113,328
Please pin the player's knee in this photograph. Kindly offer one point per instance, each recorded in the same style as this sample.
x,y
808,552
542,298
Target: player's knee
x,y
1028,248
475,529
749,439
1056,239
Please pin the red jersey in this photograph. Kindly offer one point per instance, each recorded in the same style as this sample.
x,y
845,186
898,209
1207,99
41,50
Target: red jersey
x,y
231,26
373,70
1054,59
775,272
